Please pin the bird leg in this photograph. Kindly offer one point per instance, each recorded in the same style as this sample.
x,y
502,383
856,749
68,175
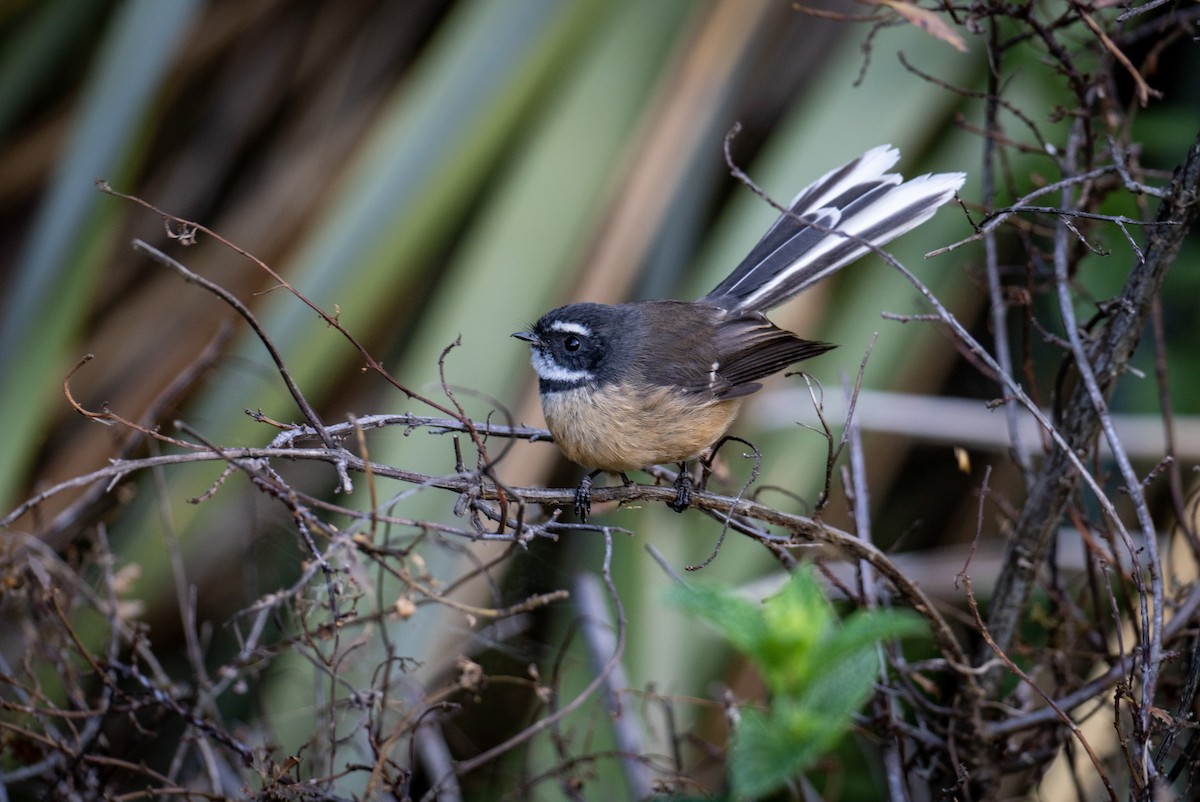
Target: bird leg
x,y
683,492
683,489
583,496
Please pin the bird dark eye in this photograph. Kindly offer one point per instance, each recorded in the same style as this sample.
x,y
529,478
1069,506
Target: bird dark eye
x,y
572,343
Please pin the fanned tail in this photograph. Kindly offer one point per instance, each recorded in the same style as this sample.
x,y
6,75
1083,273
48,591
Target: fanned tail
x,y
860,199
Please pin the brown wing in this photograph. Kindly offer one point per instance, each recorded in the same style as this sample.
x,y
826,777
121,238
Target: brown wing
x,y
751,347
699,348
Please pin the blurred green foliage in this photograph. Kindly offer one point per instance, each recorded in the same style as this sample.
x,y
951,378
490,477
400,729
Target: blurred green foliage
x,y
819,671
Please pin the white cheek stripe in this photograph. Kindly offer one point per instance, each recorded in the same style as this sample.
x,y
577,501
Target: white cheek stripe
x,y
550,370
567,327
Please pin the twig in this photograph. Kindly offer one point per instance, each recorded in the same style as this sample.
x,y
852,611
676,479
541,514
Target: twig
x,y
599,637
190,229
229,298
991,221
485,757
997,306
1151,632
728,522
1144,91
1062,715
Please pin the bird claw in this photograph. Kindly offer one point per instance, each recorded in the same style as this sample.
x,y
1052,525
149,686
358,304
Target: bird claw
x,y
583,499
683,491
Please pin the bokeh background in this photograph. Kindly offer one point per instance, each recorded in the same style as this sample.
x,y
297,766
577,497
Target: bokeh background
x,y
443,170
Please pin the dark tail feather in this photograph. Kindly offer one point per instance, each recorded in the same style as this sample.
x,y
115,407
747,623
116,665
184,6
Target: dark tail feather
x,y
860,199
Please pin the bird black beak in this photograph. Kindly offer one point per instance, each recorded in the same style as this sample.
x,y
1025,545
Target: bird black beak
x,y
527,336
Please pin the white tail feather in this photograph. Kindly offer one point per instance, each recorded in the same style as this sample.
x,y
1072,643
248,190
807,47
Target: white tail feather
x,y
858,201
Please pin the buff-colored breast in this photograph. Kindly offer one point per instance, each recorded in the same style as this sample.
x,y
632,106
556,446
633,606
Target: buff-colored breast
x,y
600,428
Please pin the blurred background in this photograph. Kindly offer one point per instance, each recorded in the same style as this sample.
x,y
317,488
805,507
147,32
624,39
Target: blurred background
x,y
441,170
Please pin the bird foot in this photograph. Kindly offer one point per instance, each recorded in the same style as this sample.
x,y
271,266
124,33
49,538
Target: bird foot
x,y
583,499
683,490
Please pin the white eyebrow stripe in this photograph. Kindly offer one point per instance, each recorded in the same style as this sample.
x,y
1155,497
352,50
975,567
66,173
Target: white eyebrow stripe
x,y
546,368
568,327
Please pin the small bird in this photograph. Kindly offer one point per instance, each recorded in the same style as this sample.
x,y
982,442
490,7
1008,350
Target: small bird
x,y
653,382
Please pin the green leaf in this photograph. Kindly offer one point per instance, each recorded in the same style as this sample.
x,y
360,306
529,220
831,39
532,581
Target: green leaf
x,y
796,620
770,749
799,613
865,629
842,687
819,671
738,620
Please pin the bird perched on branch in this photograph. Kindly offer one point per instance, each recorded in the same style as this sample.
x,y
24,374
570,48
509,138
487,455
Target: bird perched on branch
x,y
640,384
